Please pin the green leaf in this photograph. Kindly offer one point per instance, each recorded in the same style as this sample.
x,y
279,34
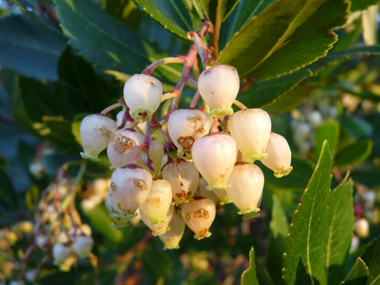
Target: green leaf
x,y
211,8
8,196
339,220
304,258
371,258
356,126
280,40
249,275
357,5
171,14
105,41
278,229
353,154
358,274
101,222
295,181
75,127
368,177
125,10
58,130
28,48
327,131
31,198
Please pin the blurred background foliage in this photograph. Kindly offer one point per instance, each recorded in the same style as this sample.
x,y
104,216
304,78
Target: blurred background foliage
x,y
53,72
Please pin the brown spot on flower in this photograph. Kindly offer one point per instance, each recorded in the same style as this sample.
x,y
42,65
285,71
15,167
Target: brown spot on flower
x,y
149,81
105,132
140,183
113,186
221,175
186,142
122,143
197,124
143,114
154,200
201,213
202,233
183,196
188,216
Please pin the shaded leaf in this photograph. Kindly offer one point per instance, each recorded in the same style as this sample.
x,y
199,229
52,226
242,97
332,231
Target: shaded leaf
x,y
357,5
371,259
278,229
304,258
356,126
368,177
125,10
210,7
8,196
28,48
249,275
196,13
353,154
327,131
358,274
339,222
280,40
31,198
169,13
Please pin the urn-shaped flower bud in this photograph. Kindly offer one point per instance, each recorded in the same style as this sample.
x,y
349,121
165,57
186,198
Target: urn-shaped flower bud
x,y
251,129
361,228
130,186
203,192
279,155
223,196
158,202
219,86
199,215
160,228
171,238
82,245
120,220
247,183
123,146
214,156
142,94
95,132
185,126
183,177
61,252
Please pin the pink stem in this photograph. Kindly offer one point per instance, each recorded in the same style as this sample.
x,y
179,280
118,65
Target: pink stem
x,y
110,108
136,157
214,126
149,69
194,100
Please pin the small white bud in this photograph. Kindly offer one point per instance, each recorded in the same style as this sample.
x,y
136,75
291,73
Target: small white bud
x,y
83,245
61,252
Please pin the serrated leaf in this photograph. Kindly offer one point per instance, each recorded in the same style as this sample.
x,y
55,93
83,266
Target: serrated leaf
x,y
304,258
358,274
210,7
169,13
249,275
371,258
105,41
196,13
28,48
327,131
353,154
278,229
357,5
280,40
8,196
125,10
339,221
295,181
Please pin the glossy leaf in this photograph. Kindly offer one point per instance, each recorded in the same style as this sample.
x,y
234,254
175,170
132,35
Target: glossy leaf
x,y
358,274
304,258
169,13
327,131
29,49
371,258
353,154
211,9
357,5
279,40
249,276
105,41
278,229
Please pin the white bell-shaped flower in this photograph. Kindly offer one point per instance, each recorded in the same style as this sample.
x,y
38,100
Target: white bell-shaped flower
x,y
219,86
142,94
95,132
177,225
183,177
203,192
199,215
247,183
185,126
251,129
160,228
361,227
223,196
61,252
82,245
120,220
130,187
214,156
158,201
279,155
123,146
